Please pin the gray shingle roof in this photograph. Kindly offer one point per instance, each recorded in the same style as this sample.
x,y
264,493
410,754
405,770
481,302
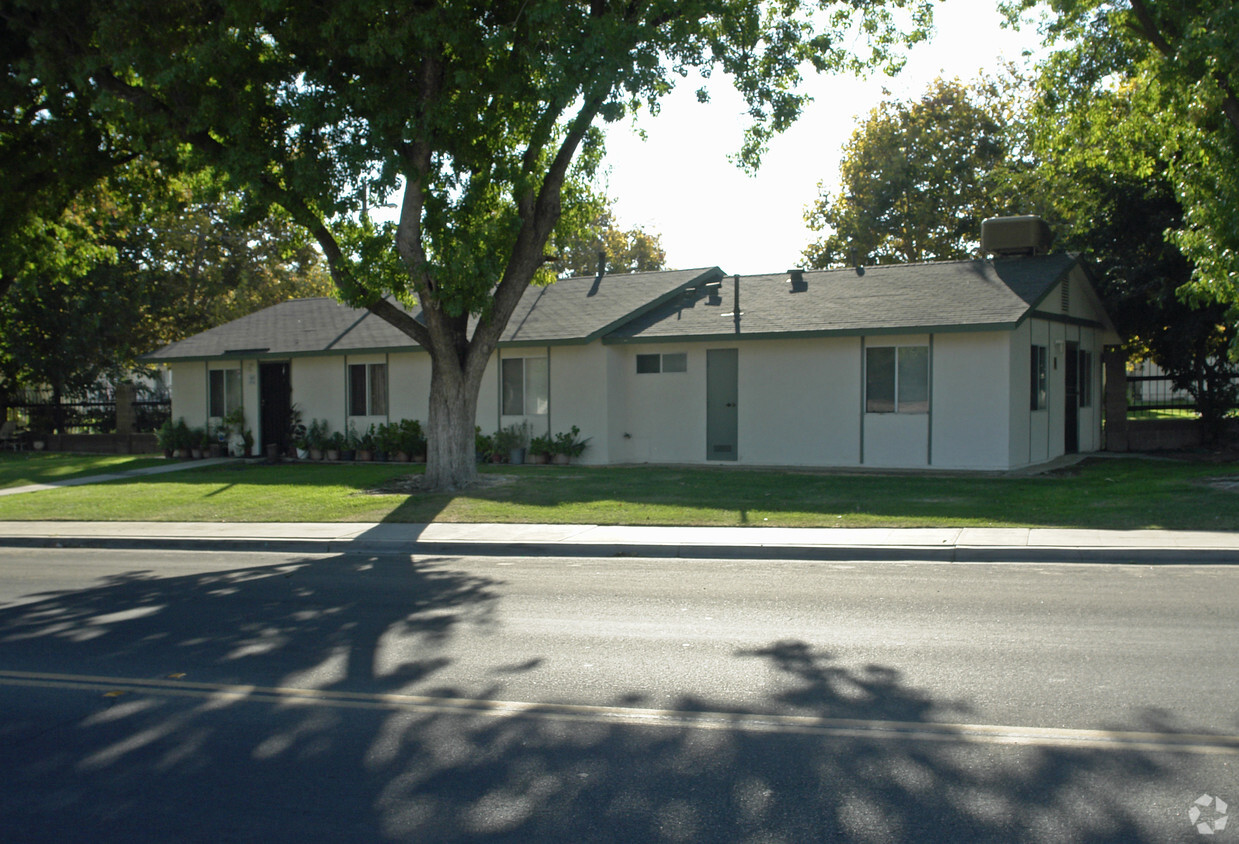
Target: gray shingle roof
x,y
571,310
955,295
914,297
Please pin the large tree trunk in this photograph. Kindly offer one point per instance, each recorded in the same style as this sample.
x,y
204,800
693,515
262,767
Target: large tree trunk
x,y
451,461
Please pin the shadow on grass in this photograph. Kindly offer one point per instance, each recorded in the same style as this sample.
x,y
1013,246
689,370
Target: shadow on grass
x,y
79,765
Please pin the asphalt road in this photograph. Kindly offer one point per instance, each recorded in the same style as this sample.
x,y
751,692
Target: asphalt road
x,y
255,697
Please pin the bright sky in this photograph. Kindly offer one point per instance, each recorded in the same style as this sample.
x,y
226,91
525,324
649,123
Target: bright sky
x,y
680,183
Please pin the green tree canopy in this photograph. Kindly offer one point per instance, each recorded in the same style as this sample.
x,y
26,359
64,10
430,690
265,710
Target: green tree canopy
x,y
917,178
632,250
477,112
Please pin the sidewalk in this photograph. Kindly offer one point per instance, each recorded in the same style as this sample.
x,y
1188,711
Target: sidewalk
x,y
956,545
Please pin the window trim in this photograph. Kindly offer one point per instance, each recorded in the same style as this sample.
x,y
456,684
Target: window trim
x,y
660,361
527,395
228,407
369,397
1039,378
895,392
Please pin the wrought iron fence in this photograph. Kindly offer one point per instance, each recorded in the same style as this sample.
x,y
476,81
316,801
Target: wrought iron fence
x,y
91,413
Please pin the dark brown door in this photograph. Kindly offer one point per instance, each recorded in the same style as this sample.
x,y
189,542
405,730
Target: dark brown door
x,y
276,393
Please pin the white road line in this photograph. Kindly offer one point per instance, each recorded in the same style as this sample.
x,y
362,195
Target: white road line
x,y
1113,740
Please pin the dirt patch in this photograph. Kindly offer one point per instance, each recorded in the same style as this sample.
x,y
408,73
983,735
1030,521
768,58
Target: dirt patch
x,y
416,484
1226,484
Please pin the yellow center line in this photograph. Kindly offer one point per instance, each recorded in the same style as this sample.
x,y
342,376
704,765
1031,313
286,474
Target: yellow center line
x,y
1195,743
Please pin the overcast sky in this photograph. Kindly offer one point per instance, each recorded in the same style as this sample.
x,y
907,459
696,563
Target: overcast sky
x,y
680,183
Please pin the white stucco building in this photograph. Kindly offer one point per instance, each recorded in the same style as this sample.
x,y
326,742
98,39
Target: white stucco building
x,y
985,364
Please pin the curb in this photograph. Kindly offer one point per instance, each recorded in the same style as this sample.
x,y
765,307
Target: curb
x,y
810,553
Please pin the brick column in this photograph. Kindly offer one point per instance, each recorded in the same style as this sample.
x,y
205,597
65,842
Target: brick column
x,y
1115,363
126,418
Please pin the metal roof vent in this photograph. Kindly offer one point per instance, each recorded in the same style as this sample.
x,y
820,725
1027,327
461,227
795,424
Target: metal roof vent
x,y
796,277
1004,236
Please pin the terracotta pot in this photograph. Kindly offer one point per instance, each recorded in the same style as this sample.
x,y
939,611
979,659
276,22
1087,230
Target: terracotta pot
x,y
539,459
333,454
316,454
364,454
561,460
402,457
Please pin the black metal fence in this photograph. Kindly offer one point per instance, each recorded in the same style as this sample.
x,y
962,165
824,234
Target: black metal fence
x,y
90,413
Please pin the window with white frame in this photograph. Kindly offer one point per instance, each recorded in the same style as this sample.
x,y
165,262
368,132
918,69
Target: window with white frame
x,y
652,364
1039,378
224,391
525,387
897,379
367,389
1085,379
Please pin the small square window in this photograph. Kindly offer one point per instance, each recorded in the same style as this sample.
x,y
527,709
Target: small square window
x,y
647,364
675,363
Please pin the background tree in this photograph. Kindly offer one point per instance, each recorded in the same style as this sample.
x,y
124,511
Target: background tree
x,y
171,257
917,178
478,112
627,250
1189,53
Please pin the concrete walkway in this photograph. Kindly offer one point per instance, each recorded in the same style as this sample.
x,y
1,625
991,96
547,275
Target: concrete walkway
x,y
932,544
116,476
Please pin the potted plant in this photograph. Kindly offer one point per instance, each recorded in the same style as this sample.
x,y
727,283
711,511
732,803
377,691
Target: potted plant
x,y
316,438
387,442
366,445
182,439
234,426
568,444
483,445
297,432
351,442
215,437
540,449
165,435
199,439
247,443
510,442
335,445
415,440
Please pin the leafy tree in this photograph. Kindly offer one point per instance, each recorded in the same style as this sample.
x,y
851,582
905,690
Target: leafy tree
x,y
916,180
627,250
1188,52
477,112
171,257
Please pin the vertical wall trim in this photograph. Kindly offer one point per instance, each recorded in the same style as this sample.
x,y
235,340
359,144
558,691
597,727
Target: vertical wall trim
x,y
206,390
387,378
550,406
862,400
929,439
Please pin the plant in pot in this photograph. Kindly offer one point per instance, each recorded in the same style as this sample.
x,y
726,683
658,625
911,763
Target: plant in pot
x,y
412,441
182,439
247,443
199,439
568,444
233,424
365,445
316,437
500,444
541,448
165,436
297,432
351,442
215,440
483,445
335,445
511,442
387,442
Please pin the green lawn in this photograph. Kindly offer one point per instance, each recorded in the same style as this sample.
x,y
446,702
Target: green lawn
x,y
32,467
1124,493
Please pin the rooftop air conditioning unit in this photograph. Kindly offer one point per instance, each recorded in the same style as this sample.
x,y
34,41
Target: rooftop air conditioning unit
x,y
1015,236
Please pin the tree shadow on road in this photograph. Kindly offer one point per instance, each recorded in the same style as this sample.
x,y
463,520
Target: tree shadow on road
x,y
243,767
